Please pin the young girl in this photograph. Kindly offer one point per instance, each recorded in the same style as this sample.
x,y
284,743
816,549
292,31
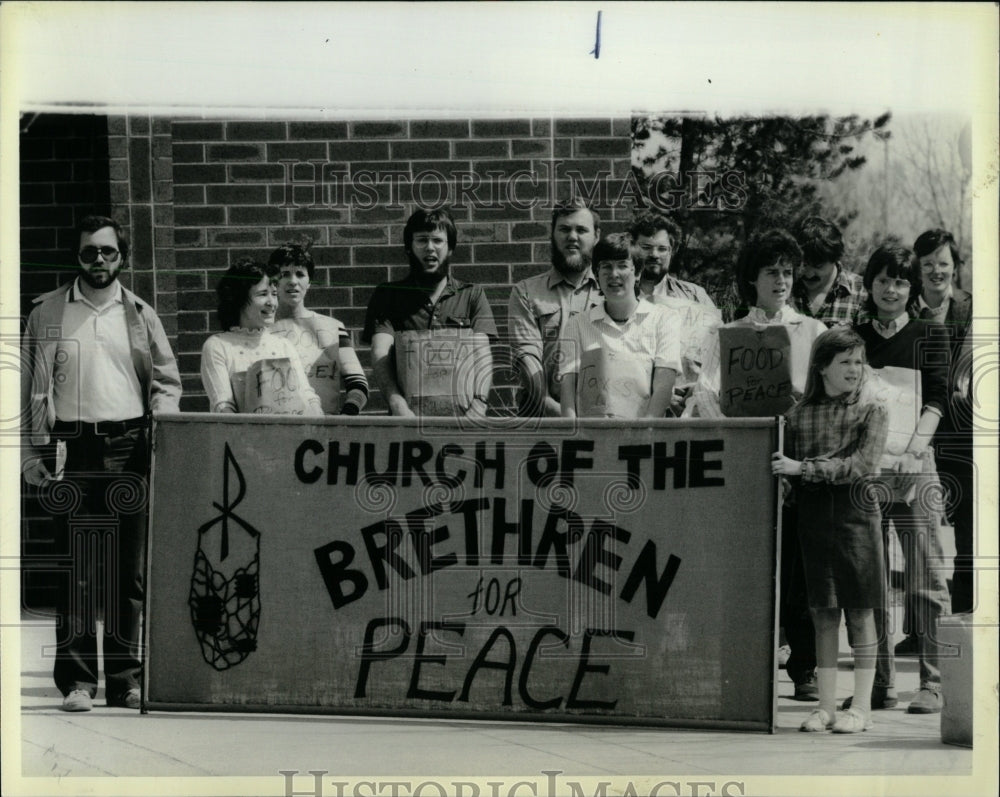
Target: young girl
x,y
836,436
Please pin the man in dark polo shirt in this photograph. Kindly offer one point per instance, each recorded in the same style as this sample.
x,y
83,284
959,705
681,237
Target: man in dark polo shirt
x,y
95,364
429,298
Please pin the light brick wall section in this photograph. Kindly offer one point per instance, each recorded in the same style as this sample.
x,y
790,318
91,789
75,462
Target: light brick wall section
x,y
241,187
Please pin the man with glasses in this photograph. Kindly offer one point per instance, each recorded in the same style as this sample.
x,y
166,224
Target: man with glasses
x,y
95,363
657,237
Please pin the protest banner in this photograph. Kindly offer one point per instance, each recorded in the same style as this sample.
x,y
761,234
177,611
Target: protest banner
x,y
756,370
435,370
272,388
604,571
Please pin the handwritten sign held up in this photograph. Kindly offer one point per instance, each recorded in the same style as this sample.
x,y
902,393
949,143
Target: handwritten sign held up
x,y
613,384
899,389
695,321
756,371
272,388
435,369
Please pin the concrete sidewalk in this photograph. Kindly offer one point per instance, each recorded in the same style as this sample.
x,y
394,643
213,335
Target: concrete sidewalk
x,y
123,743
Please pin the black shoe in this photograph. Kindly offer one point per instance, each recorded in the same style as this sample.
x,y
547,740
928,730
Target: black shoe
x,y
882,697
806,689
129,699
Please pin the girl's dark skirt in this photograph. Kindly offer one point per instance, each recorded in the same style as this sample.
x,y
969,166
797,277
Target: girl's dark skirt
x,y
840,533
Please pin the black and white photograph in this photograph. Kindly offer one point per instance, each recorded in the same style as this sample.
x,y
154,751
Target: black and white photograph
x,y
499,399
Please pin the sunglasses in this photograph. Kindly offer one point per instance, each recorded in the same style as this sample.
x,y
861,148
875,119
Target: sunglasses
x,y
89,254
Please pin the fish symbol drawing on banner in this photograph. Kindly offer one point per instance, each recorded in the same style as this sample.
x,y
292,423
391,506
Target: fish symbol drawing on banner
x,y
225,585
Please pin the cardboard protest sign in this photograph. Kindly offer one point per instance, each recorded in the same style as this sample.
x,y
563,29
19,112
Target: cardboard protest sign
x,y
613,384
695,321
436,370
899,389
756,370
318,348
420,567
272,388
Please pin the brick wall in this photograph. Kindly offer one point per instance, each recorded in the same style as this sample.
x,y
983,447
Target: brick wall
x,y
199,194
64,176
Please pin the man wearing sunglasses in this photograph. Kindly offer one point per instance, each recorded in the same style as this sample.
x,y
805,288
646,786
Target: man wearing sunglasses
x,y
95,364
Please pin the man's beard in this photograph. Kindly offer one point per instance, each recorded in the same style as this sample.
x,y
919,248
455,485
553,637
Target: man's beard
x,y
428,278
652,269
576,264
107,279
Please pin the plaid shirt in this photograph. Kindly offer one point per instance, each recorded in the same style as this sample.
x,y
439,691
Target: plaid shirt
x,y
839,439
844,304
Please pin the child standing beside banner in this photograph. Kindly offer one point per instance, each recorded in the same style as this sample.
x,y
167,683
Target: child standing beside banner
x,y
834,439
622,356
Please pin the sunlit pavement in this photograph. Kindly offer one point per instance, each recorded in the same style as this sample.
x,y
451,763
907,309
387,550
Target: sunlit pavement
x,y
119,742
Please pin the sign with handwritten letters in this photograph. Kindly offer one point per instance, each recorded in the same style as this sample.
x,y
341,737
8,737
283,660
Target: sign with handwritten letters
x,y
755,369
598,570
695,321
900,390
436,370
272,388
613,384
316,342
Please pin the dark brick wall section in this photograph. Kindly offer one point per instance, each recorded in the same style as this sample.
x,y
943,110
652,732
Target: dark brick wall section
x,y
197,194
64,167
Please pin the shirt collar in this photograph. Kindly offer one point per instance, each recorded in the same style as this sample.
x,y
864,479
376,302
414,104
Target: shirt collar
x,y
600,312
76,295
892,327
922,305
554,277
786,315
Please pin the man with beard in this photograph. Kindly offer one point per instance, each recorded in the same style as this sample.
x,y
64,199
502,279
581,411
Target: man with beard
x,y
95,364
656,236
540,306
429,298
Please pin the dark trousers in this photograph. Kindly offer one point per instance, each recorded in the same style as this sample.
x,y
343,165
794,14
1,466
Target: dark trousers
x,y
794,613
956,469
99,513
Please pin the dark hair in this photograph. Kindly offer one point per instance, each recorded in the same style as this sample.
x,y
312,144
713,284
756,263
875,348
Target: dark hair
x,y
650,222
569,208
428,221
616,246
828,345
929,242
897,261
292,255
820,240
763,250
91,224
235,285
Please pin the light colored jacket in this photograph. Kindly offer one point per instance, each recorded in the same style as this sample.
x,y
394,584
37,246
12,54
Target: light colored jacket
x,y
152,357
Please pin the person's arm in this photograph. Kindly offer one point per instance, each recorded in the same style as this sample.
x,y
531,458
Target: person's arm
x,y
384,371
215,376
482,375
567,395
934,372
526,346
32,462
858,460
355,382
165,388
663,391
